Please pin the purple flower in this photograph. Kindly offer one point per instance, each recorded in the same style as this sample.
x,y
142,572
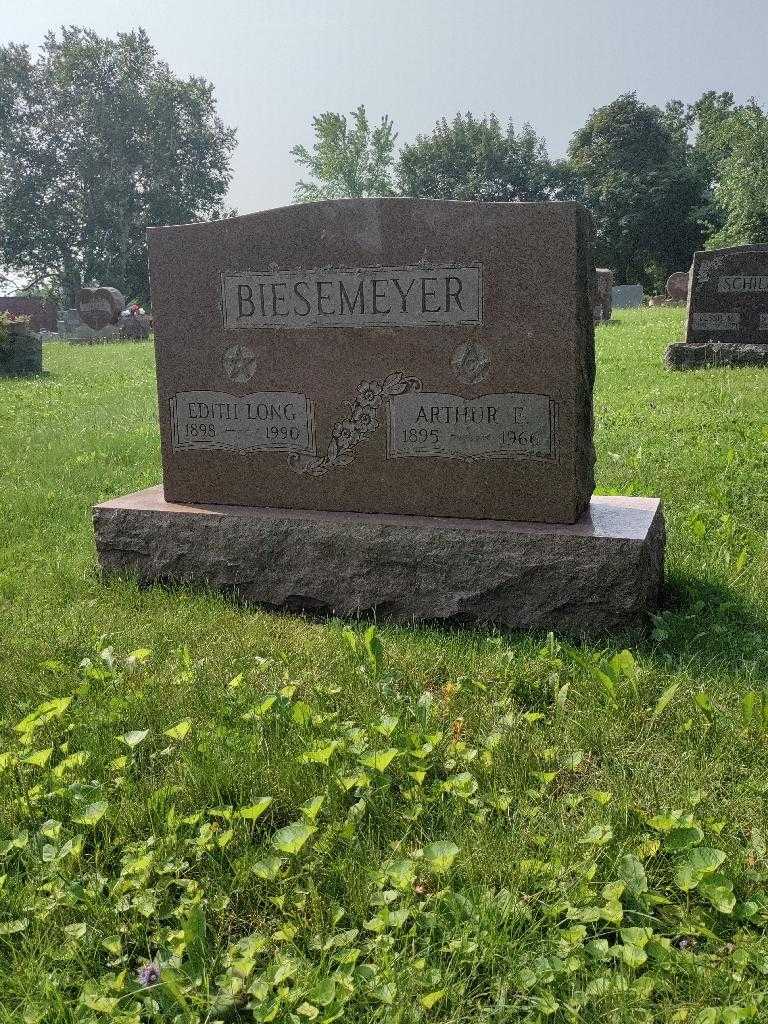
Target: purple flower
x,y
149,974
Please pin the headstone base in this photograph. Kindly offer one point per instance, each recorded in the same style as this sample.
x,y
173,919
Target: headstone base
x,y
690,355
91,336
602,573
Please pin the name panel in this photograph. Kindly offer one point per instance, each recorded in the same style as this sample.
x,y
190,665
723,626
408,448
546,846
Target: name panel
x,y
740,283
722,321
502,426
369,297
268,421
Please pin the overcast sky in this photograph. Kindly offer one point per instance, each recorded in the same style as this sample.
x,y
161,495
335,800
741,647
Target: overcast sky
x,y
276,63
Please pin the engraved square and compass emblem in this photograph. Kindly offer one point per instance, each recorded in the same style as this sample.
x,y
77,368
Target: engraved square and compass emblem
x,y
471,362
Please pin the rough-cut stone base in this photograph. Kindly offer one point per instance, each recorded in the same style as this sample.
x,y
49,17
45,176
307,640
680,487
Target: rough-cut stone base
x,y
690,355
604,572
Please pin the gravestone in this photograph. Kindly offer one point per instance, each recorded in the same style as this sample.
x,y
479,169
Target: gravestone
x,y
356,392
99,307
602,309
99,310
21,350
677,286
627,296
134,327
727,323
69,323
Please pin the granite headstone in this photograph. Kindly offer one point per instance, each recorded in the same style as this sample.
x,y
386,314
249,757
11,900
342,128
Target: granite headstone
x,y
602,308
379,355
727,322
42,314
21,351
385,406
627,296
99,307
677,286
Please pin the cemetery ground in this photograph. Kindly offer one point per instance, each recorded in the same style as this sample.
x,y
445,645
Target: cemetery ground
x,y
209,812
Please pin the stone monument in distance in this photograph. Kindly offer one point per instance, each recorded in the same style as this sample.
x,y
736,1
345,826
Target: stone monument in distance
x,y
385,405
727,323
21,350
676,288
603,299
99,310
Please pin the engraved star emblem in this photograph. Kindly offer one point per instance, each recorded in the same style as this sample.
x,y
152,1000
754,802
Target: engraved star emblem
x,y
239,363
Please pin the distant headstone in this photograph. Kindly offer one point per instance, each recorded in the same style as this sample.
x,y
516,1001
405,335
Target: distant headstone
x,y
677,286
627,296
602,307
21,350
357,393
727,310
134,327
99,307
69,323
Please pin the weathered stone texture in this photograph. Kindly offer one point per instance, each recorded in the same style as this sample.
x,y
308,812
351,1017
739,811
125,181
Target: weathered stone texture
x,y
602,573
687,355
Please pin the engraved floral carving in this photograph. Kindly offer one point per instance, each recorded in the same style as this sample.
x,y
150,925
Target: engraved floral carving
x,y
355,428
707,267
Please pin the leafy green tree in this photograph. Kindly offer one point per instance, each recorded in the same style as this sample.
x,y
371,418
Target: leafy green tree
x,y
98,140
644,189
347,160
471,158
741,177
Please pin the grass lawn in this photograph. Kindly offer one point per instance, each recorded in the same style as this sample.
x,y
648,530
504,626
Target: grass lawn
x,y
213,813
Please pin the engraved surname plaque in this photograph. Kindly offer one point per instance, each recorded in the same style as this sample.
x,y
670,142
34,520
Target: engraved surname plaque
x,y
369,297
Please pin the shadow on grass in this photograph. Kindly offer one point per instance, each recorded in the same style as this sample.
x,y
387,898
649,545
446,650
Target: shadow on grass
x,y
33,377
709,622
697,620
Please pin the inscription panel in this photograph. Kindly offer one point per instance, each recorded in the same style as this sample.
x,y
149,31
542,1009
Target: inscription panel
x,y
716,321
370,297
502,426
266,421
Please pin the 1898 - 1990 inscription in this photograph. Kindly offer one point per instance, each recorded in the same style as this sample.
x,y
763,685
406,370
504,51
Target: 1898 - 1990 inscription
x,y
369,297
274,421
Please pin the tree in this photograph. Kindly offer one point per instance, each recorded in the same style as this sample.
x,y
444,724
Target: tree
x,y
474,158
738,142
348,161
644,189
98,140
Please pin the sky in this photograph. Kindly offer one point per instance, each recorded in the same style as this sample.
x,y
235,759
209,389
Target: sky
x,y
277,63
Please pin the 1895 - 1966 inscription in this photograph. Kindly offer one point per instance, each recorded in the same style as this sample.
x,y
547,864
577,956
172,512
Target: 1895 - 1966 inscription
x,y
504,426
369,297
